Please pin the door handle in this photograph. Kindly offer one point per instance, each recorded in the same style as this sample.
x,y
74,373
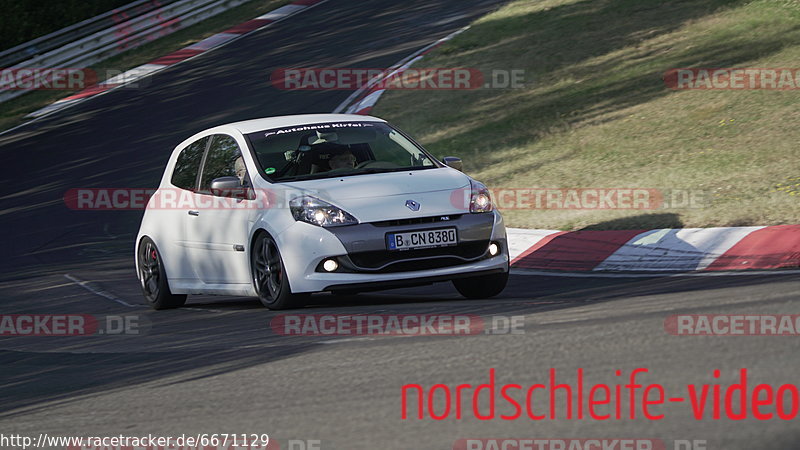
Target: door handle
x,y
194,213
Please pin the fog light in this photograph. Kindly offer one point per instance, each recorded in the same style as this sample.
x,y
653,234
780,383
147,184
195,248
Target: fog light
x,y
330,265
494,249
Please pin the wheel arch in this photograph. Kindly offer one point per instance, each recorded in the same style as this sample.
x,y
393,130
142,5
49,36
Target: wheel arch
x,y
136,247
257,231
159,248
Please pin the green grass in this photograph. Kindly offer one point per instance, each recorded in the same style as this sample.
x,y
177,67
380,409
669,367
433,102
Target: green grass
x,y
13,112
595,112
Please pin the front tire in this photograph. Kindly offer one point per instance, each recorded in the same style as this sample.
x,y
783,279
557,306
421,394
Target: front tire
x,y
485,286
269,275
153,278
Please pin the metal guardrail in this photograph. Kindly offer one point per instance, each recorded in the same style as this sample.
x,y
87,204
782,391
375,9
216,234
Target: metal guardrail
x,y
77,31
122,36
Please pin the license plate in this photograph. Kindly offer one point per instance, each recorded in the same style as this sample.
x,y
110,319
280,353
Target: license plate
x,y
422,239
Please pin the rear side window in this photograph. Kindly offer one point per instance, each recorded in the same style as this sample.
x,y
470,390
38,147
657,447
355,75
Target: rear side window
x,y
224,159
188,164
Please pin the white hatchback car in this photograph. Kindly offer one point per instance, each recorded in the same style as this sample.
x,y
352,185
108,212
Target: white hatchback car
x,y
283,207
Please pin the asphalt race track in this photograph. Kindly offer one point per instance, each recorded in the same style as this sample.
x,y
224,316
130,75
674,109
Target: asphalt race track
x,y
215,366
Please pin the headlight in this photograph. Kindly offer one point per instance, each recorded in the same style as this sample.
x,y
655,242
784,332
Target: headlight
x,y
480,199
317,212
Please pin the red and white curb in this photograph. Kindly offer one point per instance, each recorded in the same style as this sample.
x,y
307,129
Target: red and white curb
x,y
648,251
363,100
209,43
662,250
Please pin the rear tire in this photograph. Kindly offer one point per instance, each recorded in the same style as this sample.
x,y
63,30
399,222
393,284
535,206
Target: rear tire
x,y
485,286
269,276
153,278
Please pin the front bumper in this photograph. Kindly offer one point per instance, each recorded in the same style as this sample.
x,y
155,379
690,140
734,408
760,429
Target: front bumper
x,y
361,250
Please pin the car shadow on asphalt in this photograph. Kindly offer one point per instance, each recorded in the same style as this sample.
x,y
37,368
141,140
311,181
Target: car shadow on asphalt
x,y
217,335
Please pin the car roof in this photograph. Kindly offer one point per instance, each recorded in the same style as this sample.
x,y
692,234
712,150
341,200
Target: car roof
x,y
266,123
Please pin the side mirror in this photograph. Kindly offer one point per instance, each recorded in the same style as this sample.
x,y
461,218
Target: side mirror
x,y
228,187
454,162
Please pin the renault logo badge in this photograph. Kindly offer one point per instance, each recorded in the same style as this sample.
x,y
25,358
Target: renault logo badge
x,y
412,205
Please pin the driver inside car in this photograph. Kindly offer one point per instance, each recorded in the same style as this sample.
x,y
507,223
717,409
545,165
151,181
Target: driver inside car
x,y
344,160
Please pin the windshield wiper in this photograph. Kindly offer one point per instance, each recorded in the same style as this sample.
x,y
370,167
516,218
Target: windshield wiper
x,y
399,169
322,175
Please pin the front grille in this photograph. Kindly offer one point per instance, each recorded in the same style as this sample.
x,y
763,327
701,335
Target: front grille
x,y
416,220
422,259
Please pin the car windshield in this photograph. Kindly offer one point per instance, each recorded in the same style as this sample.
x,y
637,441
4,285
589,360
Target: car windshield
x,y
307,152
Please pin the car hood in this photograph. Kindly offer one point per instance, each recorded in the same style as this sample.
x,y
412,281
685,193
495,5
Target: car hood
x,y
383,196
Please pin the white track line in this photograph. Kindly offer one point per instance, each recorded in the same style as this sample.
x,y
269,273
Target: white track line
x,y
101,293
532,272
192,308
104,294
351,99
349,339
